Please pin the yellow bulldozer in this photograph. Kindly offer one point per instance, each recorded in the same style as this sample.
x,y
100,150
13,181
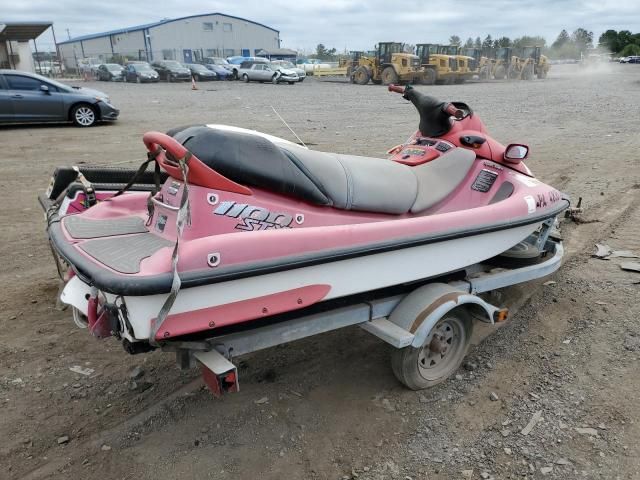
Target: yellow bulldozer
x,y
466,64
533,63
506,64
438,67
391,64
481,63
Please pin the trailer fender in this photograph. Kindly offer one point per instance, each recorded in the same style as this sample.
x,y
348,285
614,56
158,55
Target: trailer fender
x,y
419,311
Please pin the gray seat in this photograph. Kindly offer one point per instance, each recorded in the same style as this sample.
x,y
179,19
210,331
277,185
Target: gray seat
x,y
379,185
359,183
347,182
440,177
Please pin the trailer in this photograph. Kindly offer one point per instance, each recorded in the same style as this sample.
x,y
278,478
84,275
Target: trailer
x,y
429,327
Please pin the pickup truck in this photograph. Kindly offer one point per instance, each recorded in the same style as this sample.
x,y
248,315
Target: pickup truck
x,y
264,72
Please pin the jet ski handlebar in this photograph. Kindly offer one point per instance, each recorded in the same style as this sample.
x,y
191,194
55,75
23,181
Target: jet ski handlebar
x,y
447,108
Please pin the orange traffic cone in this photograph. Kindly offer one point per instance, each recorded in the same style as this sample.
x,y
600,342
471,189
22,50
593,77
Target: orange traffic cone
x,y
193,83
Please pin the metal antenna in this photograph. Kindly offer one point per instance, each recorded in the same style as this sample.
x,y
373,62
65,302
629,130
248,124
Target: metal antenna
x,y
287,125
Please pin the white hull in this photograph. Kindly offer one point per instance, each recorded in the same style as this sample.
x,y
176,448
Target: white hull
x,y
346,277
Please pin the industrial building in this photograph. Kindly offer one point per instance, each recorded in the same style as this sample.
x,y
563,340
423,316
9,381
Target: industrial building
x,y
186,39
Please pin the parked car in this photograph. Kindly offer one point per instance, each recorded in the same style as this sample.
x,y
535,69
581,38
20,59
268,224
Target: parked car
x,y
284,64
140,72
264,72
28,97
201,73
221,71
48,68
111,72
634,59
171,71
206,61
235,63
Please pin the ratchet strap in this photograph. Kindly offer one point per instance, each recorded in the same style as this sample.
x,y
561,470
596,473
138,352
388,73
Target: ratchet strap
x,y
183,216
89,191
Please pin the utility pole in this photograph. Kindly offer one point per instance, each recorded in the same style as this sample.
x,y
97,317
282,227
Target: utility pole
x,y
68,34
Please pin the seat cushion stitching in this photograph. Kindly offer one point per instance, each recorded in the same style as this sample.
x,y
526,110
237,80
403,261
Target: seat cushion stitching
x,y
347,173
305,171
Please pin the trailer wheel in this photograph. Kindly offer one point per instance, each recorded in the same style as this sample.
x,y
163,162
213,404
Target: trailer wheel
x,y
361,76
439,357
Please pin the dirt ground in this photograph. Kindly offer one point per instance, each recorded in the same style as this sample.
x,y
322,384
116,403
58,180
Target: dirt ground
x,y
329,407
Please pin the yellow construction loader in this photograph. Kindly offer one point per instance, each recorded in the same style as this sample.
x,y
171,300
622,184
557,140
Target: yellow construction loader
x,y
533,63
438,68
389,65
506,65
465,63
482,63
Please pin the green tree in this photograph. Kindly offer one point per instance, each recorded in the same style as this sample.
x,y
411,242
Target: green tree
x,y
609,40
529,41
454,40
502,42
562,39
469,43
324,53
583,39
478,43
487,42
630,49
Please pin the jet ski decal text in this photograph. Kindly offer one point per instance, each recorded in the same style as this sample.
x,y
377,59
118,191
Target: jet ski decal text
x,y
252,217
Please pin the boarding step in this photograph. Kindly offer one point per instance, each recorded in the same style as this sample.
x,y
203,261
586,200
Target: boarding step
x,y
389,332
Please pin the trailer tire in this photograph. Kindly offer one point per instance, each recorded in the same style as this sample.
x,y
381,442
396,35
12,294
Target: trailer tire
x,y
424,367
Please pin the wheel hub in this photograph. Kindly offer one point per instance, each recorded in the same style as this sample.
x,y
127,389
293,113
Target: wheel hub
x,y
442,348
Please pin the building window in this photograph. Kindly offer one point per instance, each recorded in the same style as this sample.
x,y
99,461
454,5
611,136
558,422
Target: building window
x,y
207,26
229,52
168,55
227,27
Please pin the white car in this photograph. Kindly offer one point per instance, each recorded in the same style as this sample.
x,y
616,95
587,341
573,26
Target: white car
x,y
283,65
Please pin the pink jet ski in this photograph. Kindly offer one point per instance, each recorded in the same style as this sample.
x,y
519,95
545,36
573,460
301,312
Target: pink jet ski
x,y
237,234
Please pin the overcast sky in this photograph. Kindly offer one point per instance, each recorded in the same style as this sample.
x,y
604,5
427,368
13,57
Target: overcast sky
x,y
354,25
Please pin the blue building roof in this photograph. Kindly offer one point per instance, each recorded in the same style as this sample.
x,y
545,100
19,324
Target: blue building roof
x,y
137,28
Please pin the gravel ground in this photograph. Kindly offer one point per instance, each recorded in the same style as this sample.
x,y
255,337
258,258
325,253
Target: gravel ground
x,y
329,407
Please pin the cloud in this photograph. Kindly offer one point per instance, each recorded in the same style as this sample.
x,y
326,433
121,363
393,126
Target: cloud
x,y
351,25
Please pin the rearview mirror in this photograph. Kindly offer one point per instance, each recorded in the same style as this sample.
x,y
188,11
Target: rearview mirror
x,y
515,152
44,89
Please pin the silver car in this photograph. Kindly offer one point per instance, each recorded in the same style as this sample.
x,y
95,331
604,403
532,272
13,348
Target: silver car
x,y
286,65
27,97
264,72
